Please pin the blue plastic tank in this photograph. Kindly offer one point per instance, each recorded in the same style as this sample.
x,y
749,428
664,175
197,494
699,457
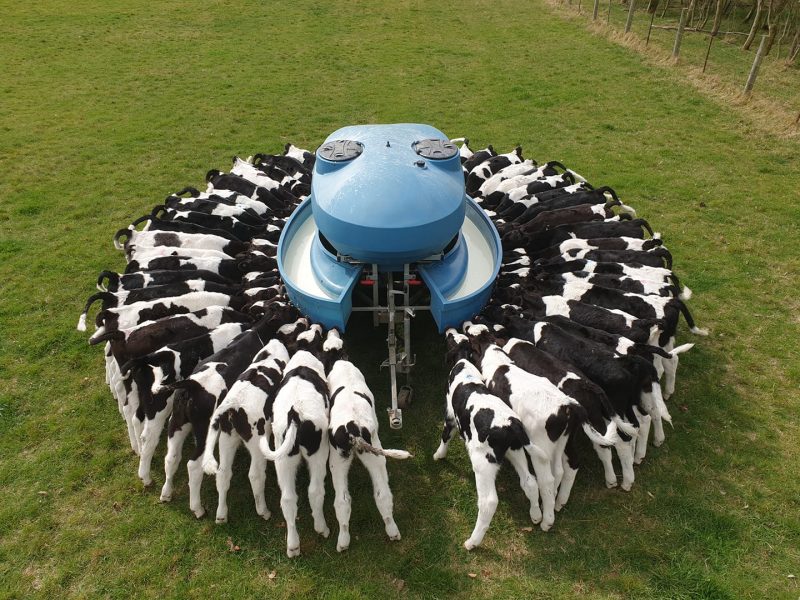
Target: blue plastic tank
x,y
388,194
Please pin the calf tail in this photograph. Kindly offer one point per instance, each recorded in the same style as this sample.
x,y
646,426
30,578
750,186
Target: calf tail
x,y
106,297
284,448
210,464
361,445
127,233
141,219
680,349
686,294
131,365
537,454
113,281
646,226
556,164
193,192
624,426
609,439
105,336
690,321
665,254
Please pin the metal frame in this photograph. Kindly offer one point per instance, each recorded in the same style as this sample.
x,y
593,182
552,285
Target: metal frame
x,y
397,362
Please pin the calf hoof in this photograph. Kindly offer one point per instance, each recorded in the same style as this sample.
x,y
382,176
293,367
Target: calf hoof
x,y
638,460
199,513
611,484
343,543
392,531
147,482
165,497
266,515
626,486
439,455
292,552
536,517
324,532
222,519
545,526
470,545
657,442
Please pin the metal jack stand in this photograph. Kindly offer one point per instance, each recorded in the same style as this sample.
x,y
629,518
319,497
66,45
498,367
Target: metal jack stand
x,y
398,362
402,362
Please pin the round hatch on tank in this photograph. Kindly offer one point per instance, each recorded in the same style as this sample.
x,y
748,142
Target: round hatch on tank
x,y
435,149
340,150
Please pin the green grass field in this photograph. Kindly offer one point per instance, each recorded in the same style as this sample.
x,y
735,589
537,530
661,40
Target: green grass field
x,y
108,107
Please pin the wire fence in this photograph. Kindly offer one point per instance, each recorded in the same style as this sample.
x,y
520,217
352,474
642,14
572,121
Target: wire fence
x,y
719,48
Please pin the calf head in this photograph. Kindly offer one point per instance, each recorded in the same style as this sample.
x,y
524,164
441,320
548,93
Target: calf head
x,y
458,347
332,350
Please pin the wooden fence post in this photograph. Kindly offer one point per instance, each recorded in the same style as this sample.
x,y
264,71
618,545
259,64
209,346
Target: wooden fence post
x,y
676,49
751,79
708,51
631,8
649,29
594,11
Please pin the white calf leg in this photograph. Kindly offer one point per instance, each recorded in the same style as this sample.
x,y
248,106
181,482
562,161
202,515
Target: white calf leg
x,y
317,471
228,443
547,490
641,439
258,477
340,468
286,471
376,465
173,459
625,453
670,370
127,412
151,434
567,481
485,475
527,482
447,434
604,454
195,470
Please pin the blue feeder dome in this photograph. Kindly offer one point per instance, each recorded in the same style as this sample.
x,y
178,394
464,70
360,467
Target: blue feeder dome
x,y
388,195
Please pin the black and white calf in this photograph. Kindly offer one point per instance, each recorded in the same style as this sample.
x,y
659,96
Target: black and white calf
x,y
491,431
198,395
136,240
152,375
548,414
483,171
110,281
599,410
116,314
228,268
630,382
300,426
124,344
353,431
245,416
